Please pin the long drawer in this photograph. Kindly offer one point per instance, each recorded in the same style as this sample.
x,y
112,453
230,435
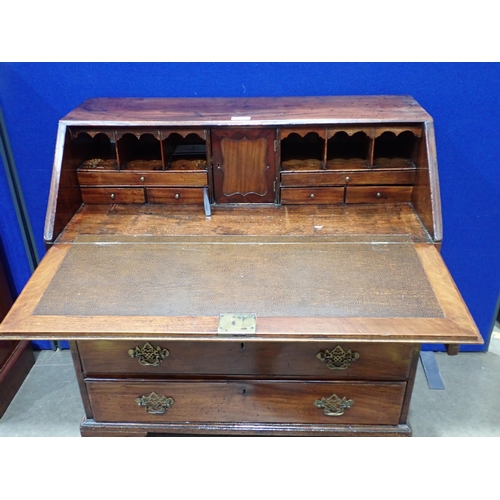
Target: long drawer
x,y
382,361
130,178
249,401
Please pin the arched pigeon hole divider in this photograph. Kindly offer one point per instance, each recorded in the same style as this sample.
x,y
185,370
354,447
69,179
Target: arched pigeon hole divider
x,y
97,150
302,150
393,150
184,150
140,152
348,150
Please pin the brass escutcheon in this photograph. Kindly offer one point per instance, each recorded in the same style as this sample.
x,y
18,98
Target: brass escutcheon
x,y
149,355
337,358
334,406
155,405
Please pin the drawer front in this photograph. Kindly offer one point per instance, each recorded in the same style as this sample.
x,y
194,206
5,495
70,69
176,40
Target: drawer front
x,y
113,195
189,196
378,194
251,359
312,196
252,401
127,178
361,177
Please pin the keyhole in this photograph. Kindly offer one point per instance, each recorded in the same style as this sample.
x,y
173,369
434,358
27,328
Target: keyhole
x,y
243,345
244,392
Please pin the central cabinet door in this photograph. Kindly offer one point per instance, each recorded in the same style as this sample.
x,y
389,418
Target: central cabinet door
x,y
244,166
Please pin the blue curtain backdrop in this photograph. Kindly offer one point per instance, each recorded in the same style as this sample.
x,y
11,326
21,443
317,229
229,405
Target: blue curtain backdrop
x,y
463,99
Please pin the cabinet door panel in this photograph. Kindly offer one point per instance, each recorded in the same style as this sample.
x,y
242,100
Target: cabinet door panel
x,y
244,165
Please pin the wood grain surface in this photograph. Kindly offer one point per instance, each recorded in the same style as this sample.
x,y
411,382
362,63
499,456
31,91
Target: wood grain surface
x,y
238,111
247,358
247,401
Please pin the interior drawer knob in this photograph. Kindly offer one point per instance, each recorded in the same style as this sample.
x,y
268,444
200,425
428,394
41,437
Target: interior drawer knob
x,y
334,406
311,195
177,196
155,404
337,358
149,355
143,178
379,195
112,196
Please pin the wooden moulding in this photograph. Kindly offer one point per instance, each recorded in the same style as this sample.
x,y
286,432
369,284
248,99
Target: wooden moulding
x,y
91,428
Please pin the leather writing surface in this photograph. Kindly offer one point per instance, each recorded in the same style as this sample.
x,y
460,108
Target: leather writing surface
x,y
293,277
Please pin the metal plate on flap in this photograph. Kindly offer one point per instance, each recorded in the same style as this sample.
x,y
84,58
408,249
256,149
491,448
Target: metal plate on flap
x,y
237,324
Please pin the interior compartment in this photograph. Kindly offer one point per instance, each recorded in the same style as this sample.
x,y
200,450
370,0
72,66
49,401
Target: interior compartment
x,y
140,153
185,153
96,153
302,153
346,151
393,150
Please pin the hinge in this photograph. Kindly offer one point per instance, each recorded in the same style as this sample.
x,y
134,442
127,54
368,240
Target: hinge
x,y
275,145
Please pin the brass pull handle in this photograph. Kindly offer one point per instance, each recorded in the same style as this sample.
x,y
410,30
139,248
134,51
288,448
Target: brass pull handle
x,y
337,358
333,406
177,196
154,404
149,355
112,196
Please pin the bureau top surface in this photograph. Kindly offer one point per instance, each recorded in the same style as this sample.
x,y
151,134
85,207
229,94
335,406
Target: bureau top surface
x,y
247,111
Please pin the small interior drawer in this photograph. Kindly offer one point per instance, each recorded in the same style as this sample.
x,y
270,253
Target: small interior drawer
x,y
312,196
142,178
361,177
189,196
112,195
378,194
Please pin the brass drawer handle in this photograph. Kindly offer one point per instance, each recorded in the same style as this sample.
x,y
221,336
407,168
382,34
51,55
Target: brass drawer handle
x,y
149,355
337,358
334,406
155,405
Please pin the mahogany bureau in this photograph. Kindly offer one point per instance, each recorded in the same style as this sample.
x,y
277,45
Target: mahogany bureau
x,y
245,266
